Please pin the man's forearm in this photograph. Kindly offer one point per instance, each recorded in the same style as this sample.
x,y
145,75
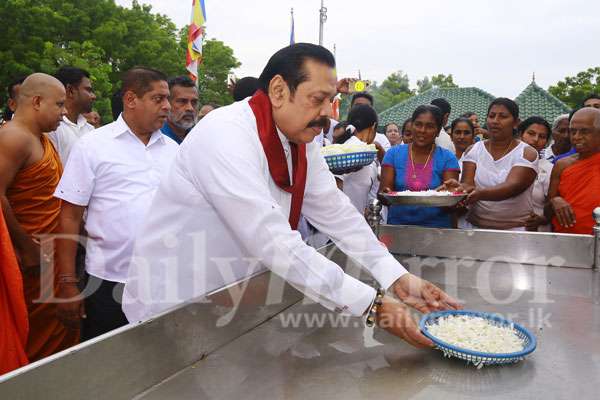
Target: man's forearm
x,y
66,245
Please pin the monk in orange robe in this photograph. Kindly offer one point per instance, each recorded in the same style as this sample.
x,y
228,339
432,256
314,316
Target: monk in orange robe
x,y
14,325
30,170
575,182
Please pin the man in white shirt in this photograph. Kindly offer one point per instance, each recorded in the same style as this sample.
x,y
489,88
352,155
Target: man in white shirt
x,y
113,174
80,98
231,204
444,140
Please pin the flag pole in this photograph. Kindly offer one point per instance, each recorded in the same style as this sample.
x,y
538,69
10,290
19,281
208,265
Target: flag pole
x,y
322,20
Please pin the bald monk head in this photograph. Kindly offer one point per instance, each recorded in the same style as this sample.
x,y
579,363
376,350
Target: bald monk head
x,y
41,102
585,131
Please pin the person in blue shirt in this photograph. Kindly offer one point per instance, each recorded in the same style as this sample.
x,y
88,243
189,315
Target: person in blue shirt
x,y
419,166
184,108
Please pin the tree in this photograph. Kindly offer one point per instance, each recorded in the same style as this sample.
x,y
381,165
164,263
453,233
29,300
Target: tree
x,y
574,89
393,90
439,81
101,37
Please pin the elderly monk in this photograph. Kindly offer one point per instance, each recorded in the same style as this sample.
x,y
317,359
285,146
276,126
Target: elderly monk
x,y
30,169
575,182
13,311
230,205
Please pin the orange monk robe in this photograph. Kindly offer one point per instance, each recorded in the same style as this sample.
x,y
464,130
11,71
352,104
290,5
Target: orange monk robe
x,y
14,325
31,197
580,187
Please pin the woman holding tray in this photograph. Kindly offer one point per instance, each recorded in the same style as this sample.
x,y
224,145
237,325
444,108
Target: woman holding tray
x,y
419,166
499,173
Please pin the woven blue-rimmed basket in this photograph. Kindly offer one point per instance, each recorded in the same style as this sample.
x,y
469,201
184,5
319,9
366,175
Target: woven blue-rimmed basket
x,y
344,163
477,358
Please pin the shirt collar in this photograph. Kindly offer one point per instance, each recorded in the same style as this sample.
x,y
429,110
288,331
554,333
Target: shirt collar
x,y
81,121
121,128
284,141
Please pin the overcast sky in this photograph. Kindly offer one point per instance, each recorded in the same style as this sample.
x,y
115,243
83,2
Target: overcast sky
x,y
493,45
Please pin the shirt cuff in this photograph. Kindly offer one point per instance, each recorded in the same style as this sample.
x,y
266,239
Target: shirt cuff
x,y
388,271
355,296
73,198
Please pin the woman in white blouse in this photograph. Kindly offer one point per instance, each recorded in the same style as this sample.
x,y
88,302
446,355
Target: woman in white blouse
x,y
360,186
536,131
498,173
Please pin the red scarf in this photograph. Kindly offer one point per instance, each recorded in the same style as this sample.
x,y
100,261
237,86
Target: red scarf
x,y
278,167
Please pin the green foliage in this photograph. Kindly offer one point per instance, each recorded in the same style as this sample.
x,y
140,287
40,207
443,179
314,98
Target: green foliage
x,y
439,81
573,89
393,90
103,38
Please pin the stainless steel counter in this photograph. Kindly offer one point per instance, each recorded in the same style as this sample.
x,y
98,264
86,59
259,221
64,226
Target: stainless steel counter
x,y
188,353
275,361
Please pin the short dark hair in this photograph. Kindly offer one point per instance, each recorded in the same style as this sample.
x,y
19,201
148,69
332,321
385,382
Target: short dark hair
x,y
116,104
184,81
139,80
363,95
362,116
71,75
590,97
406,122
466,120
433,110
468,114
245,87
13,84
8,114
442,104
511,106
289,63
534,120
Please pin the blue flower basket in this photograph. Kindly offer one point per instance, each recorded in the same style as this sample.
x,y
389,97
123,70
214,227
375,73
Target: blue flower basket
x,y
477,358
347,162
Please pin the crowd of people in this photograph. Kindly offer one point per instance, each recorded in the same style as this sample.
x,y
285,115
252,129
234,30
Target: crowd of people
x,y
83,203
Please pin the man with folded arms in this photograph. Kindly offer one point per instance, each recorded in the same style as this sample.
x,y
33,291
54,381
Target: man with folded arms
x,y
233,198
575,181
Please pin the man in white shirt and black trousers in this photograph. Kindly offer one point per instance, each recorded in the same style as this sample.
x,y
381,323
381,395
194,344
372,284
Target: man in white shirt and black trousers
x,y
113,174
231,202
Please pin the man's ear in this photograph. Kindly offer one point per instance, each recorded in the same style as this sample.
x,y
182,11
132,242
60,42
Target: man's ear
x,y
70,91
279,92
36,102
129,100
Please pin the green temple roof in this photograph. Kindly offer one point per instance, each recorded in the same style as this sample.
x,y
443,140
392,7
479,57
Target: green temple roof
x,y
532,101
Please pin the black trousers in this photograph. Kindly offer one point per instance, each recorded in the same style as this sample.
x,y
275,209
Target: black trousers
x,y
102,307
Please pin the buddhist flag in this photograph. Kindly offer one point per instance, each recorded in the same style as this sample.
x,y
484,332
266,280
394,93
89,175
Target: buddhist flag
x,y
293,31
196,38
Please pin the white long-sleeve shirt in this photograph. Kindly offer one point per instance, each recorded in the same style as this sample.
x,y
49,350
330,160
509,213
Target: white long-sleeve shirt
x,y
218,217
